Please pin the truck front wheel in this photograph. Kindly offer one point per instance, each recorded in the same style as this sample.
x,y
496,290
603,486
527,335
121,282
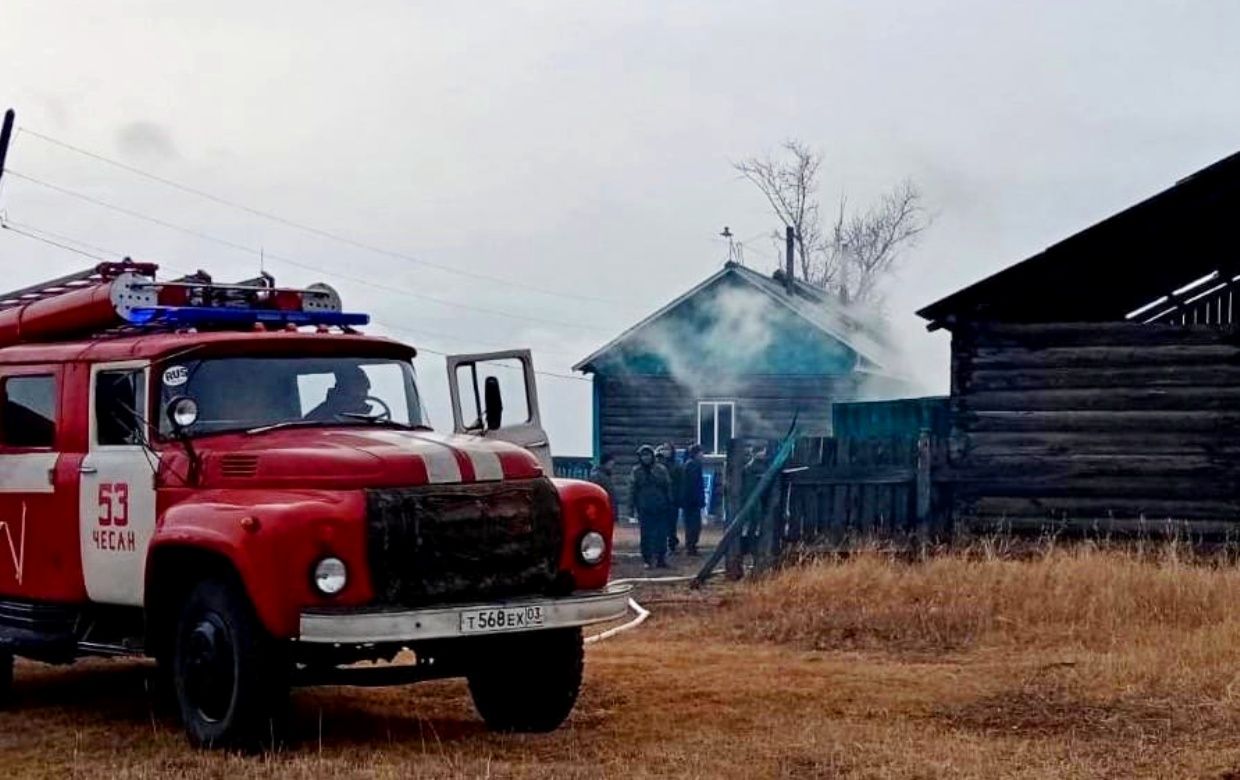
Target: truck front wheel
x,y
527,682
229,675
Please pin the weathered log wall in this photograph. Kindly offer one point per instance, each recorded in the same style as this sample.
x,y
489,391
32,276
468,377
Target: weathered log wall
x,y
1116,426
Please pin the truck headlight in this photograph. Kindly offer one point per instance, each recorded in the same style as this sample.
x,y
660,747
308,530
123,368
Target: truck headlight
x,y
592,547
330,576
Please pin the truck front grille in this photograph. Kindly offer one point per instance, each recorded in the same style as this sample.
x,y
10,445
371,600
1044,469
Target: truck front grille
x,y
439,544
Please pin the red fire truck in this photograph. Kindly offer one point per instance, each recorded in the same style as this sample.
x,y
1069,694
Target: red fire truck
x,y
232,480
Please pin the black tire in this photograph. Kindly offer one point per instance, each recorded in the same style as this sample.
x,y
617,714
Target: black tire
x,y
6,678
230,677
528,682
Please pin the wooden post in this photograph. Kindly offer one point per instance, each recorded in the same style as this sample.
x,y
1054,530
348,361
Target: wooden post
x,y
789,245
734,559
924,488
771,528
6,134
839,510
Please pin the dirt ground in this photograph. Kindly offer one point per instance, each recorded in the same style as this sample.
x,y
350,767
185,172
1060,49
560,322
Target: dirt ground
x,y
627,559
913,672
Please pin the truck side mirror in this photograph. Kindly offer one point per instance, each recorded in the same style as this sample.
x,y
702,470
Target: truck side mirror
x,y
493,403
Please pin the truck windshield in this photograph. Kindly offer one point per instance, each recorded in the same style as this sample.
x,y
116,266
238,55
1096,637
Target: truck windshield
x,y
255,392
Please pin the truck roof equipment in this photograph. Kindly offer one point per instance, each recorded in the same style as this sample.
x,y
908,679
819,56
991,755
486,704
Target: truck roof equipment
x,y
121,297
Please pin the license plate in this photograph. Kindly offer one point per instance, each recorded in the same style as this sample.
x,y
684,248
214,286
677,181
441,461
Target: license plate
x,y
479,621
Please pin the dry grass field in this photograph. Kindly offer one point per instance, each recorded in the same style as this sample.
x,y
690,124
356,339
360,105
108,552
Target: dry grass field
x,y
1062,663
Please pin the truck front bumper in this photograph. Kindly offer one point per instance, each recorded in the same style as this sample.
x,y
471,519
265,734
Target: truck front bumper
x,y
386,625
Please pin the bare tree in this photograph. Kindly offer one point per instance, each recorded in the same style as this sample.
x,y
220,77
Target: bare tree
x,y
791,188
863,247
855,256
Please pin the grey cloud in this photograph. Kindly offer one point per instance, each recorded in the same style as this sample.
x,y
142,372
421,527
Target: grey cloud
x,y
148,140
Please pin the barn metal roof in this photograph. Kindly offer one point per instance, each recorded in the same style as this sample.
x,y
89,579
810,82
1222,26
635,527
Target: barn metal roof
x,y
817,307
1118,265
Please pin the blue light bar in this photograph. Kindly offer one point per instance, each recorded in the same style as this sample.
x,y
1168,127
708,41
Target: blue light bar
x,y
191,316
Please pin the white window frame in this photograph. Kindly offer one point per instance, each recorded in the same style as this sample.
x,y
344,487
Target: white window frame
x,y
126,365
713,405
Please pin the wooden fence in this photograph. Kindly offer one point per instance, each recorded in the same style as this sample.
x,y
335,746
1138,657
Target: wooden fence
x,y
835,491
572,466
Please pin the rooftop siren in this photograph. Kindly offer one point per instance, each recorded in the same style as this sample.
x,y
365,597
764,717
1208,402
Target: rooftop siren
x,y
127,295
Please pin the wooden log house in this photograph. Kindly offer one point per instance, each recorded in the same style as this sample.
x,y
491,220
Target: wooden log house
x,y
736,356
1095,387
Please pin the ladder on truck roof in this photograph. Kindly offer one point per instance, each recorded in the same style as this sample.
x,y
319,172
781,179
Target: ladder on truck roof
x,y
119,297
91,277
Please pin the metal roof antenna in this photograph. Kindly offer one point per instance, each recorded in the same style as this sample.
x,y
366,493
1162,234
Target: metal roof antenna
x,y
734,247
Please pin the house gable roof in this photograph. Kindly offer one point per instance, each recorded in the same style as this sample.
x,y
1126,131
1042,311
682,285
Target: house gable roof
x,y
816,307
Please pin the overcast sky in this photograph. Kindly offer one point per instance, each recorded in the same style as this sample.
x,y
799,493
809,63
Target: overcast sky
x,y
584,147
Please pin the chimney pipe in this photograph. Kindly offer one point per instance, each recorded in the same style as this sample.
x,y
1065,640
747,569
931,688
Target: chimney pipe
x,y
789,235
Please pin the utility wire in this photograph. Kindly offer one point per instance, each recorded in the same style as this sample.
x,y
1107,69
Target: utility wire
x,y
7,225
96,252
101,254
288,260
64,242
540,372
312,229
423,332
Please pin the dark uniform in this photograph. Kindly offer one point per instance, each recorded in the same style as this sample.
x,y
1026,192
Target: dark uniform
x,y
602,476
666,455
650,491
692,499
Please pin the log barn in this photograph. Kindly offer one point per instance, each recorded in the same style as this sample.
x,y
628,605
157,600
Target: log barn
x,y
736,356
1096,385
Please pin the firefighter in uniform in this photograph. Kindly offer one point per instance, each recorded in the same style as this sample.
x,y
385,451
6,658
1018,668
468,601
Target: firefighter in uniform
x,y
650,492
665,456
692,497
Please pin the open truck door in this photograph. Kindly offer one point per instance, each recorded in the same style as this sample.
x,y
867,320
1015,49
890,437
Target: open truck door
x,y
494,395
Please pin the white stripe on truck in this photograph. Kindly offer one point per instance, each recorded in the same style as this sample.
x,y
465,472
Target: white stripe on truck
x,y
440,461
487,467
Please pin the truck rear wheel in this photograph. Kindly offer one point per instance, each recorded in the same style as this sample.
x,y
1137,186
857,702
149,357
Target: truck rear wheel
x,y
230,677
528,682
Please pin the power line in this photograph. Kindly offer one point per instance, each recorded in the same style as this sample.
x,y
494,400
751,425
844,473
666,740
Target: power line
x,y
7,225
291,261
96,252
312,229
64,242
422,332
540,372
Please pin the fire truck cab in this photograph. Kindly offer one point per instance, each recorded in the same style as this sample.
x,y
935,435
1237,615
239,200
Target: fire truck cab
x,y
230,479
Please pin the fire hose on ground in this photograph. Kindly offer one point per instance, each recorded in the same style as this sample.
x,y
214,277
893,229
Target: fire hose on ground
x,y
640,612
